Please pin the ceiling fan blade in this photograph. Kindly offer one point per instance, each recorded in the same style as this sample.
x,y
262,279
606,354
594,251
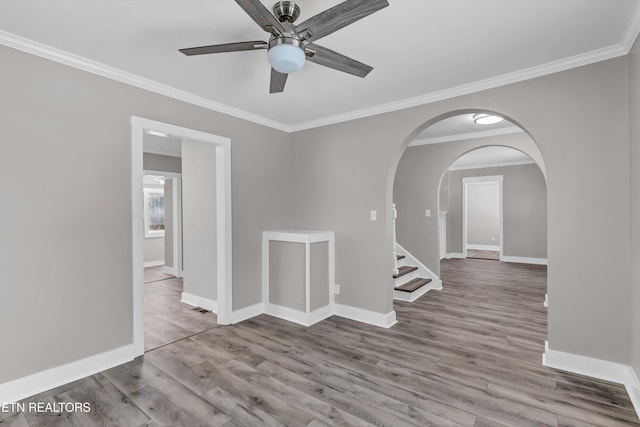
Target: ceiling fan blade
x,y
327,57
278,80
338,17
228,47
262,16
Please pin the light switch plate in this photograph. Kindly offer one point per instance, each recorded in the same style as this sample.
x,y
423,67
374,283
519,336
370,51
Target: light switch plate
x,y
427,213
373,215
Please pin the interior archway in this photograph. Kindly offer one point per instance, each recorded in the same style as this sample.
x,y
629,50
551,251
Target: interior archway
x,y
430,152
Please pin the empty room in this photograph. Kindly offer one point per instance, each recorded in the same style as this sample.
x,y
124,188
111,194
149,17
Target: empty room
x,y
250,212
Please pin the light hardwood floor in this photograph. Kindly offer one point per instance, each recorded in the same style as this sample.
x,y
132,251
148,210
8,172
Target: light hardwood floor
x,y
468,355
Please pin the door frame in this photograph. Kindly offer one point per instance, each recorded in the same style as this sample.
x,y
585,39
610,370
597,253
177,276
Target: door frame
x,y
176,184
223,213
481,180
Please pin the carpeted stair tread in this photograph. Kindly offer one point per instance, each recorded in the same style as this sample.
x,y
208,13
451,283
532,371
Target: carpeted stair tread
x,y
399,257
405,269
413,284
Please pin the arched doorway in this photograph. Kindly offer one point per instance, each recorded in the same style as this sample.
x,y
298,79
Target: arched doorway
x,y
423,182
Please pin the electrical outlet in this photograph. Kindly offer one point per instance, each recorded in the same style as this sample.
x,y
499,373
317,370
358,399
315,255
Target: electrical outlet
x,y
336,289
493,238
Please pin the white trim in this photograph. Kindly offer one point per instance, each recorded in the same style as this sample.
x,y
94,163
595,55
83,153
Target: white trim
x,y
524,260
167,269
583,365
94,67
546,300
366,316
154,263
100,69
197,301
31,385
298,316
575,61
472,180
492,165
483,247
223,214
465,136
245,313
633,388
455,255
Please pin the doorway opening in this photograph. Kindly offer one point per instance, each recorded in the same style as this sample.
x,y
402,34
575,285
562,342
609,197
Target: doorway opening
x,y
462,190
200,205
482,217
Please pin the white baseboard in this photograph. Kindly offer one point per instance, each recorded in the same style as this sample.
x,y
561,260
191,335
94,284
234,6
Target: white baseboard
x,y
483,247
412,296
320,314
297,316
633,388
167,269
197,301
456,255
596,368
154,263
245,313
22,388
524,260
366,316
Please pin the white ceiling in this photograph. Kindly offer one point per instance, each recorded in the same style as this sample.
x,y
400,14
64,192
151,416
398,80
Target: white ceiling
x,y
490,157
421,50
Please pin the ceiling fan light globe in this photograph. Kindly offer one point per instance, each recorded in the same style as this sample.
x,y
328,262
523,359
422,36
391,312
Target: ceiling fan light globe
x,y
286,58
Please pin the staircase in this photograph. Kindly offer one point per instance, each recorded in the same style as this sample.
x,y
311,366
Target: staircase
x,y
412,279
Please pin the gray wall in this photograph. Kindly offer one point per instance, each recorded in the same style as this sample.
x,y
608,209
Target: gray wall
x,y
158,162
287,274
344,170
75,126
483,214
427,164
199,226
524,209
153,249
634,98
168,222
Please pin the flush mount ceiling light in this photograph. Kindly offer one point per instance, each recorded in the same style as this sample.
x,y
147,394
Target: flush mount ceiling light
x,y
486,119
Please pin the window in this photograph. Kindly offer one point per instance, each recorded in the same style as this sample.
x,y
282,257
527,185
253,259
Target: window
x,y
153,212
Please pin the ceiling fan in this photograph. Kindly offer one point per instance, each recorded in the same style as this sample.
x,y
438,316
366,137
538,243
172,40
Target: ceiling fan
x,y
289,45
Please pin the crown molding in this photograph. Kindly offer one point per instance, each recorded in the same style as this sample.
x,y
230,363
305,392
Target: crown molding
x,y
492,165
464,136
587,58
76,61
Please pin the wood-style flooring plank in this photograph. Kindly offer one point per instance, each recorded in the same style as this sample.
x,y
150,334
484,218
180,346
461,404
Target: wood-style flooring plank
x,y
467,355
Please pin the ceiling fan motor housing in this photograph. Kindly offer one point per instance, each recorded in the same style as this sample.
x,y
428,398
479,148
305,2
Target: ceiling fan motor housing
x,y
286,11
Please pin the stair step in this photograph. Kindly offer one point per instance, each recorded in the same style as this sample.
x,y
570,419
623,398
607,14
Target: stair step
x,y
399,257
413,285
405,269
